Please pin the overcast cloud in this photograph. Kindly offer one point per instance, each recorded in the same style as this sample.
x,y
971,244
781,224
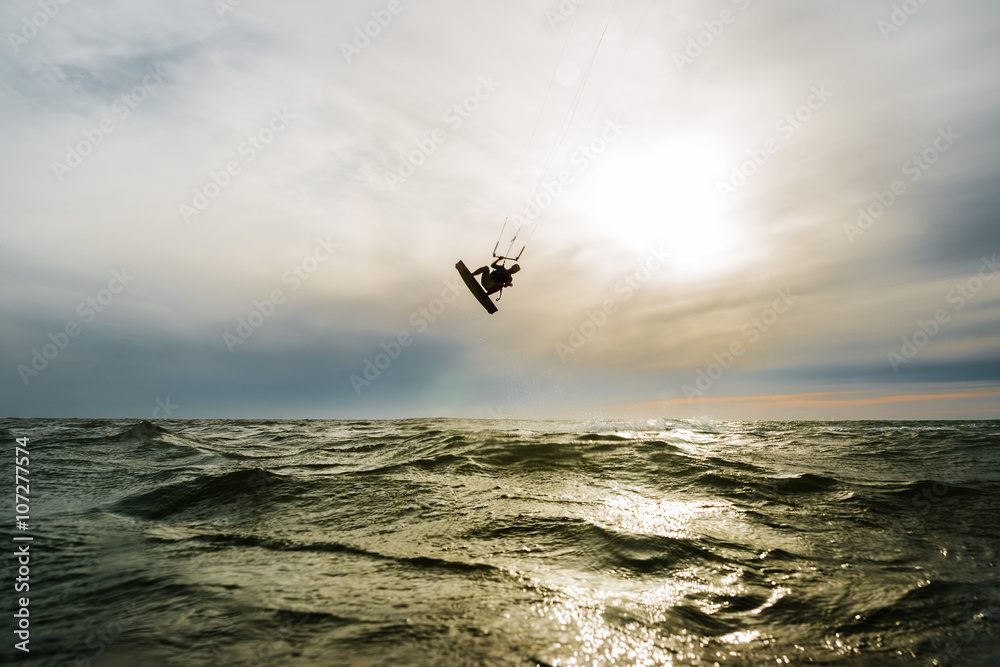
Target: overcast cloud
x,y
269,152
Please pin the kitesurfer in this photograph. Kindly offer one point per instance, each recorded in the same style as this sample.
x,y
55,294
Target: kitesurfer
x,y
494,281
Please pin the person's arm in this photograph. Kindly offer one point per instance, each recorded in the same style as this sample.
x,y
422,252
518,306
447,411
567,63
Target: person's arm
x,y
494,264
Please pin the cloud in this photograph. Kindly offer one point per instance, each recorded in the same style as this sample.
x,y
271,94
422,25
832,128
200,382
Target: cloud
x,y
358,120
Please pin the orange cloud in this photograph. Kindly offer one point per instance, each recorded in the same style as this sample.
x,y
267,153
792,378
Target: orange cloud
x,y
840,399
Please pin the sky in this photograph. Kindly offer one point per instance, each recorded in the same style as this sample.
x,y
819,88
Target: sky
x,y
728,210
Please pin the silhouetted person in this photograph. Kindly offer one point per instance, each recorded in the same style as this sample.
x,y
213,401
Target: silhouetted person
x,y
496,280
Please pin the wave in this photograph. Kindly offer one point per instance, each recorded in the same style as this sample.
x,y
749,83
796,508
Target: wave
x,y
144,430
586,545
750,540
200,496
224,540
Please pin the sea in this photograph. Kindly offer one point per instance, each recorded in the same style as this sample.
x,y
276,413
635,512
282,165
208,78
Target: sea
x,y
500,542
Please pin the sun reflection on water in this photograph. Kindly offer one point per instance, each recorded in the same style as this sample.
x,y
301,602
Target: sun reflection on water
x,y
667,518
619,617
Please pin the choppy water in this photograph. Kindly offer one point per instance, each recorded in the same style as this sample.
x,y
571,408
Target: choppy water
x,y
452,542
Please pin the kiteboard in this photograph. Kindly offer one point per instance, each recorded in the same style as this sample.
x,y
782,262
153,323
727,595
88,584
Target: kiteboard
x,y
476,289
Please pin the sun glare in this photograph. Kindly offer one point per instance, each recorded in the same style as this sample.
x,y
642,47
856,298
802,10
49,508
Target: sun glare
x,y
665,194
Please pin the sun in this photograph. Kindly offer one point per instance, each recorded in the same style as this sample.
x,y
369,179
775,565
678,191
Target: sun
x,y
665,194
